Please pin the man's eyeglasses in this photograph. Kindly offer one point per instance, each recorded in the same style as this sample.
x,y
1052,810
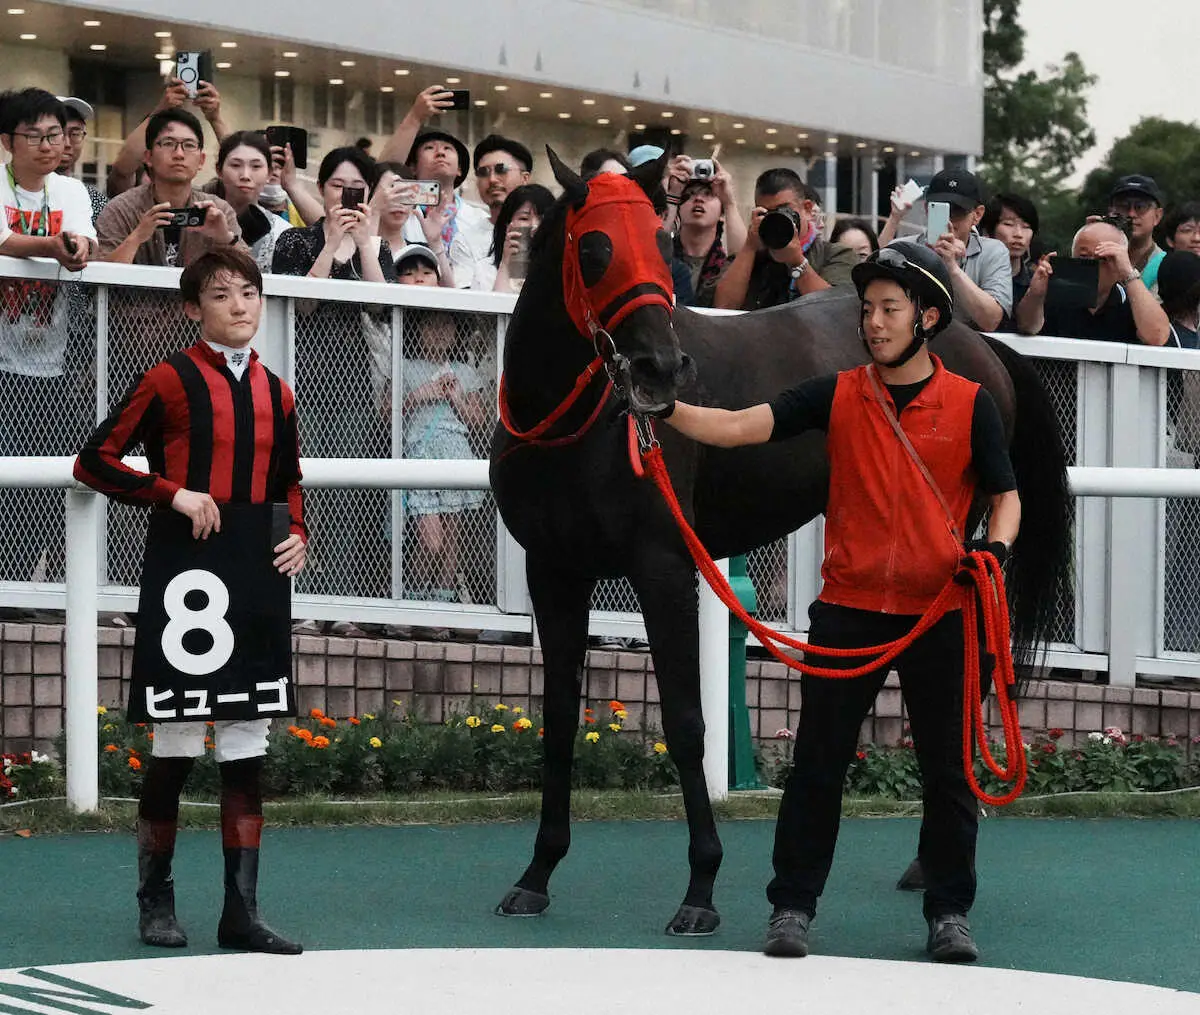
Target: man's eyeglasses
x,y
499,169
176,144
76,134
1133,206
54,138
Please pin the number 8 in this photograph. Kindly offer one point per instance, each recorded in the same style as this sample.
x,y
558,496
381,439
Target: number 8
x,y
210,619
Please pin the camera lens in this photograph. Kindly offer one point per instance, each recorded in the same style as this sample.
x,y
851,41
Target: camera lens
x,y
777,228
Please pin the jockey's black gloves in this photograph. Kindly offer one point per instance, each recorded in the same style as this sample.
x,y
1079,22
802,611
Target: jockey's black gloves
x,y
996,548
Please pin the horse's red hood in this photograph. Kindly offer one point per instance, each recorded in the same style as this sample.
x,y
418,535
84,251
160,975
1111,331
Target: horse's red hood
x,y
638,274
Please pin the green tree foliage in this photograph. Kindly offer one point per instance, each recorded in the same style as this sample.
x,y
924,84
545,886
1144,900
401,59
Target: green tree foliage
x,y
1168,150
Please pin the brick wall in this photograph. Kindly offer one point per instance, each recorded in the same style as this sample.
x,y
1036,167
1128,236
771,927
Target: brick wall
x,y
346,676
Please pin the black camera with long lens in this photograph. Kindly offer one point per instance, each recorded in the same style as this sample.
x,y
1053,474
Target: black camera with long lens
x,y
779,227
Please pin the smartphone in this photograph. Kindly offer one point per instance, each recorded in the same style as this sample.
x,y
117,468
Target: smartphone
x,y
911,192
193,67
279,136
185,218
1074,282
352,197
937,218
462,98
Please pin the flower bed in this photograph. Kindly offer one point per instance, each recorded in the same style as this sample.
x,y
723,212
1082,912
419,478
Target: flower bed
x,y
499,749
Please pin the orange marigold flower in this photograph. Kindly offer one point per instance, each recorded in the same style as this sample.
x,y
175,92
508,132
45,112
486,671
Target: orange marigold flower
x,y
149,736
353,721
208,743
616,706
134,764
321,742
328,723
304,734
294,730
316,713
522,724
210,725
589,719
111,748
541,731
587,711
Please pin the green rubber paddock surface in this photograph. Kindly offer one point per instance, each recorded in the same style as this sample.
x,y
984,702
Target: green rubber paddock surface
x,y
1113,899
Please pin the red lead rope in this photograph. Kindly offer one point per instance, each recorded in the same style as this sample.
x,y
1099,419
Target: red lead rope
x,y
986,595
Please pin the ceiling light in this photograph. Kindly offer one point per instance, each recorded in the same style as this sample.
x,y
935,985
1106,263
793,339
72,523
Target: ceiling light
x,y
802,136
224,65
564,116
387,88
453,81
162,56
738,126
708,137
740,140
401,72
336,81
829,155
603,121
290,54
860,144
545,95
771,146
888,150
629,109
16,10
639,126
772,130
666,114
162,35
522,109
500,88
915,155
347,63
589,102
29,37
831,140
704,119
229,45
99,47
481,102
676,131
91,24
283,73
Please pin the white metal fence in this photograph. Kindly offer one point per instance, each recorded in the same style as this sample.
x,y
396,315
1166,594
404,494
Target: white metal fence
x,y
346,346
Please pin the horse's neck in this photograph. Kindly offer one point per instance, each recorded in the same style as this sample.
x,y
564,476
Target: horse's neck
x,y
544,353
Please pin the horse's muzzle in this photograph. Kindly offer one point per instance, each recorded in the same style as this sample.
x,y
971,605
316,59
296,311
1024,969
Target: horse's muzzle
x,y
651,385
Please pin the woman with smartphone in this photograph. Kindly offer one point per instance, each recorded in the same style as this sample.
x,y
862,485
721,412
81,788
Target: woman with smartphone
x,y
332,371
404,216
243,170
520,217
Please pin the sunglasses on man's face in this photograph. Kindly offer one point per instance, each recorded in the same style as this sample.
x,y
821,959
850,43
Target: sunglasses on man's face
x,y
499,169
1132,206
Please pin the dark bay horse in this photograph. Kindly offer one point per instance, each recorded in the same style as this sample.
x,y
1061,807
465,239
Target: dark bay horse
x,y
581,515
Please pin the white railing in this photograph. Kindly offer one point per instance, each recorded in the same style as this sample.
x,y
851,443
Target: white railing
x,y
1133,586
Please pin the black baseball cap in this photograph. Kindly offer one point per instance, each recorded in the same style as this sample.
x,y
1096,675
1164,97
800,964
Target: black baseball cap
x,y
957,187
498,143
1137,184
464,157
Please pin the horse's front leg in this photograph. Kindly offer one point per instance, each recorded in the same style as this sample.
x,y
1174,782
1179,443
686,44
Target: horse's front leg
x,y
560,606
666,587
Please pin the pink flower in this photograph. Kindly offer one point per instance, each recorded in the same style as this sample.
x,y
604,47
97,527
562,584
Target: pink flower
x,y
784,734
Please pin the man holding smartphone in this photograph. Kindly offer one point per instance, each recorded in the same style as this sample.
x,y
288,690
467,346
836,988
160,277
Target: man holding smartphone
x,y
139,227
979,266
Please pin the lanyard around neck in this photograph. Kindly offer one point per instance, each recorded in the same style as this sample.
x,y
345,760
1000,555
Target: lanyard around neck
x,y
43,228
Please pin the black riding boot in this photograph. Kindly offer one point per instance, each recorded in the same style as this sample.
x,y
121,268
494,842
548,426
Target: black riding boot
x,y
240,926
156,887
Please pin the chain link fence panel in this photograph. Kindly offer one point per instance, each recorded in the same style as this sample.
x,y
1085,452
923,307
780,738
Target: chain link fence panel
x,y
1181,517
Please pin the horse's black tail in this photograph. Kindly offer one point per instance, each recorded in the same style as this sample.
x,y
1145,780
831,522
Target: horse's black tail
x,y
1039,575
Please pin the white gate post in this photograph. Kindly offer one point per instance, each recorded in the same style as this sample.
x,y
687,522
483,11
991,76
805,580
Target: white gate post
x,y
82,668
714,687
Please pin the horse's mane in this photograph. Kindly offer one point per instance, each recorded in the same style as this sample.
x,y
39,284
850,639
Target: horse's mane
x,y
549,237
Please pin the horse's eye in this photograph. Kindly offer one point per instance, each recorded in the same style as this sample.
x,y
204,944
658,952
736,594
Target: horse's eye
x,y
665,246
595,255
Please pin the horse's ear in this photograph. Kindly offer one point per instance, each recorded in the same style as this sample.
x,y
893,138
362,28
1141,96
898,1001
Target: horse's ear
x,y
574,188
649,175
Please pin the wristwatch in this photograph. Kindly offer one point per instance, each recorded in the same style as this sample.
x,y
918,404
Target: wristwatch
x,y
798,269
1133,276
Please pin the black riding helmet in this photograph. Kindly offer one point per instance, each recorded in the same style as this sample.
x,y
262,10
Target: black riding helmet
x,y
919,271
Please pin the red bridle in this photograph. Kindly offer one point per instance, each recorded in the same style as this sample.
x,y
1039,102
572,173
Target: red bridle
x,y
636,276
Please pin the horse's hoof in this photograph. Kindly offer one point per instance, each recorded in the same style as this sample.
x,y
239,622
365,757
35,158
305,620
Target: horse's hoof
x,y
694,921
522,902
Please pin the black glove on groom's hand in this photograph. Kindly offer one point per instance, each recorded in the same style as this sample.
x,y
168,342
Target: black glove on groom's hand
x,y
997,549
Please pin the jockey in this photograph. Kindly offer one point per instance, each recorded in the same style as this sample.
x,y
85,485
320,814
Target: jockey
x,y
910,447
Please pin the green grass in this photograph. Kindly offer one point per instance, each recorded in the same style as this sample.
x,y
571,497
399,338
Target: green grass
x,y
48,817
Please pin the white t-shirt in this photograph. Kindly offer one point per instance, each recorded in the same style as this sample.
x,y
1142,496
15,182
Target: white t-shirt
x,y
33,315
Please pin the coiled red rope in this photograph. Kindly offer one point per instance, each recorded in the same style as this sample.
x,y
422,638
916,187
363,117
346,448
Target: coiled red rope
x,y
979,597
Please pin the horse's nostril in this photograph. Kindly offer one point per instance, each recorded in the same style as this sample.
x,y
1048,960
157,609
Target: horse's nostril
x,y
686,370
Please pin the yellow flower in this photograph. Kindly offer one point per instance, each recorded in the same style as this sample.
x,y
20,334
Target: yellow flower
x,y
592,737
523,723
472,721
517,710
497,728
621,714
660,748
108,726
375,742
101,710
500,707
615,727
368,715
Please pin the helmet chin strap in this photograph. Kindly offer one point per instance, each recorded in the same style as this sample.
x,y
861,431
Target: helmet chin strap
x,y
910,350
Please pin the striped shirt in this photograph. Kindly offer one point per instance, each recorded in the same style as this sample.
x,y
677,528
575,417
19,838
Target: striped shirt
x,y
203,430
